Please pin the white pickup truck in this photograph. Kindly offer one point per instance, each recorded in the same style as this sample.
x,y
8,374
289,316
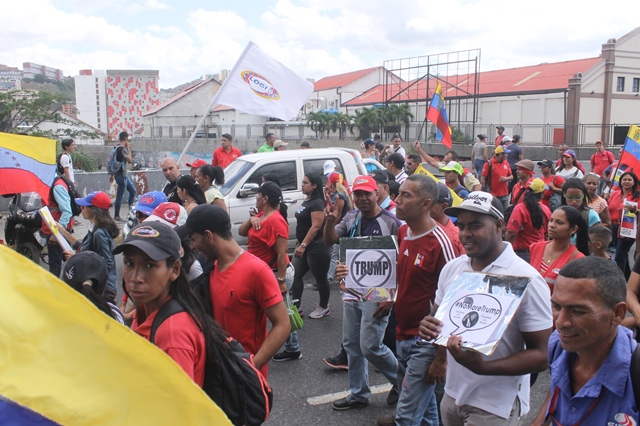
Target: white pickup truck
x,y
244,175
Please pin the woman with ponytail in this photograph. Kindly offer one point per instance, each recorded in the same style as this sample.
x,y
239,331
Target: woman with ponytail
x,y
528,221
207,176
190,192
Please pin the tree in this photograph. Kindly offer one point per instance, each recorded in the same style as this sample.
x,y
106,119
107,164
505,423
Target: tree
x,y
24,111
317,121
397,115
367,121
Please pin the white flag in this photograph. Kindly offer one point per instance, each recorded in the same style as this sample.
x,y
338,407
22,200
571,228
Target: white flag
x,y
262,86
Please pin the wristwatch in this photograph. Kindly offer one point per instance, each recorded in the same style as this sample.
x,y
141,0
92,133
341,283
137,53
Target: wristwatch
x,y
280,279
303,245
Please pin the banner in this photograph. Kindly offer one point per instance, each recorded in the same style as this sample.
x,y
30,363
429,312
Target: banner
x,y
260,85
63,361
27,164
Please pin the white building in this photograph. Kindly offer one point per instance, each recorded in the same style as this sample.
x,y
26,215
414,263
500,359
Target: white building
x,y
178,117
91,98
30,70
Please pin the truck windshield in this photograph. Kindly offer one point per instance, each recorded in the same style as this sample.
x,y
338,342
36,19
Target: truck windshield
x,y
233,173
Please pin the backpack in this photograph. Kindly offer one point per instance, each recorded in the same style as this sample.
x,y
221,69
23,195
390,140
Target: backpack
x,y
59,168
113,165
556,199
231,379
71,190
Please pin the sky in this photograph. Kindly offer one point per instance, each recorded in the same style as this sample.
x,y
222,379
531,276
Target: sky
x,y
316,38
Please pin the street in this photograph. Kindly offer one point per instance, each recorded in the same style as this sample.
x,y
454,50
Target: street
x,y
304,389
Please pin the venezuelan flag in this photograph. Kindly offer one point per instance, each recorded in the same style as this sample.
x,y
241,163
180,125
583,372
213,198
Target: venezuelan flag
x,y
631,154
27,164
437,114
62,361
420,170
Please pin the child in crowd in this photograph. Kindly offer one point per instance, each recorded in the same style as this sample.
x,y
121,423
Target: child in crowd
x,y
599,240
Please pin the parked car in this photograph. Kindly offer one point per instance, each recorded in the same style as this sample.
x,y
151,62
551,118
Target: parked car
x,y
244,176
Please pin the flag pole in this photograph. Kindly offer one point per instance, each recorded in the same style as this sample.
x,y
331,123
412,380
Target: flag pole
x,y
421,128
214,102
615,172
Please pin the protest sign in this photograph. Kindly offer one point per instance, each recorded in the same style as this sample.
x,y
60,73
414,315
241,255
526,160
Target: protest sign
x,y
479,307
628,224
51,224
372,267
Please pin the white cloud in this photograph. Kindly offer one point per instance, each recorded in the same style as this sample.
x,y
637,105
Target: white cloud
x,y
316,38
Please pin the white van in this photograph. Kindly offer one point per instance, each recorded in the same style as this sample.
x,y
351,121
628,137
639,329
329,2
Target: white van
x,y
244,176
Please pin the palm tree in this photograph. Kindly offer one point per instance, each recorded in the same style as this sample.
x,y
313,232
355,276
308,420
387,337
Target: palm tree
x,y
368,120
398,114
318,121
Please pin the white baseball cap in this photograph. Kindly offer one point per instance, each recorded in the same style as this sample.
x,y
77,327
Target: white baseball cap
x,y
479,202
329,166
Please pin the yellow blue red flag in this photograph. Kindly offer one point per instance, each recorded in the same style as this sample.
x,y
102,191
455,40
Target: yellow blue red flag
x,y
27,164
437,114
62,361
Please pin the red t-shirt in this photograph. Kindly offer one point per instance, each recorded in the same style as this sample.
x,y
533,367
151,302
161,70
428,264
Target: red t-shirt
x,y
262,241
551,273
498,170
548,193
499,139
420,260
616,203
453,233
601,160
520,223
515,192
180,338
239,296
223,158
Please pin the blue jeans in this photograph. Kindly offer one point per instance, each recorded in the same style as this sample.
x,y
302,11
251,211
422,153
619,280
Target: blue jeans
x,y
478,165
622,246
362,336
123,183
417,403
291,344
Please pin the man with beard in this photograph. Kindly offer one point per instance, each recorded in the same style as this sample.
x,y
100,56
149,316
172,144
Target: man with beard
x,y
244,291
171,172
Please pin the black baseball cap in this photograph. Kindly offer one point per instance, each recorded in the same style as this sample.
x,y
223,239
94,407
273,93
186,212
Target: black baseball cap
x,y
205,217
155,239
83,266
444,194
545,162
380,176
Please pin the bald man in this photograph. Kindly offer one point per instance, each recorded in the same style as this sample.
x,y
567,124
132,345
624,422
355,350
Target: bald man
x,y
171,172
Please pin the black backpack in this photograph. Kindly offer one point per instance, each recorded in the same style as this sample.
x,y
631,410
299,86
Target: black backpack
x,y
71,190
59,168
231,379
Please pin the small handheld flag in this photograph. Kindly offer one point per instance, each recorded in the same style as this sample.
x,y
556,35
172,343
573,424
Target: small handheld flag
x,y
437,114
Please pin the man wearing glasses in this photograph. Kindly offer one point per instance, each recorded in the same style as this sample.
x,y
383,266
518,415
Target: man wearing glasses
x,y
412,163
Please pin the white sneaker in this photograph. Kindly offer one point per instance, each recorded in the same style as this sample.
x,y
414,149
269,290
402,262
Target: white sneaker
x,y
320,312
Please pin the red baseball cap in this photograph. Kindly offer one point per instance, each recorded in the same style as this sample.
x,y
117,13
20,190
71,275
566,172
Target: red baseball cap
x,y
96,198
198,163
364,183
335,177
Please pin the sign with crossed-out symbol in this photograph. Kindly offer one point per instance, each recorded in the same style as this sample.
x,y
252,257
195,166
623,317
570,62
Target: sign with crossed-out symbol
x,y
371,268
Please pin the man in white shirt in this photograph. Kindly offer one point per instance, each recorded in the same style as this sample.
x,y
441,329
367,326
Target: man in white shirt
x,y
65,163
491,390
395,164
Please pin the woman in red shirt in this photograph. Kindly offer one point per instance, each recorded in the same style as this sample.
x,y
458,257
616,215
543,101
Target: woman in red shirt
x,y
554,184
268,236
153,276
528,221
548,257
618,205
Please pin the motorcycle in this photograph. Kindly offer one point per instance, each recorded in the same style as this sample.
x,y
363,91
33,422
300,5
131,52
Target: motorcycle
x,y
22,229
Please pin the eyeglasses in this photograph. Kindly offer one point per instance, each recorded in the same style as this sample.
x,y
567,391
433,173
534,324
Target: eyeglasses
x,y
577,198
409,164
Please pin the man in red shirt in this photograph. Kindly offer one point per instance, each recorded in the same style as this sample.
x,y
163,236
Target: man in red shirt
x,y
244,290
496,174
500,135
424,249
227,153
600,161
524,171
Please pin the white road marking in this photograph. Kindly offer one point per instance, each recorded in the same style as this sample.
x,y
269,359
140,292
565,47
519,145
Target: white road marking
x,y
330,397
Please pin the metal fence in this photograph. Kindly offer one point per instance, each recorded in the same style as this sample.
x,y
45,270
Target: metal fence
x,y
532,134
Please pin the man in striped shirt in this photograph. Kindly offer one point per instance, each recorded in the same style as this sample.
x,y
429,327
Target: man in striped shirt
x,y
424,249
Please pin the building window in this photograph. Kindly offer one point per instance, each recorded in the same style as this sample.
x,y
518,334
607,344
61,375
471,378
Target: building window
x,y
620,87
636,85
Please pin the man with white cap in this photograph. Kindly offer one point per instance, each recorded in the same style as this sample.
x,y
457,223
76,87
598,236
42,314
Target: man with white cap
x,y
491,389
279,145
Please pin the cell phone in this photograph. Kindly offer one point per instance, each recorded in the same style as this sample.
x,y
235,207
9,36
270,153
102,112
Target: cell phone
x,y
253,211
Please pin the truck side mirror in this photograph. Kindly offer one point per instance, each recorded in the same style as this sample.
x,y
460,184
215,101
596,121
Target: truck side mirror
x,y
248,189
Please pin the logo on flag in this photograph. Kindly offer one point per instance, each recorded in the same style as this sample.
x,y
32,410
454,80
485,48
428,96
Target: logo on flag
x,y
419,259
260,85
